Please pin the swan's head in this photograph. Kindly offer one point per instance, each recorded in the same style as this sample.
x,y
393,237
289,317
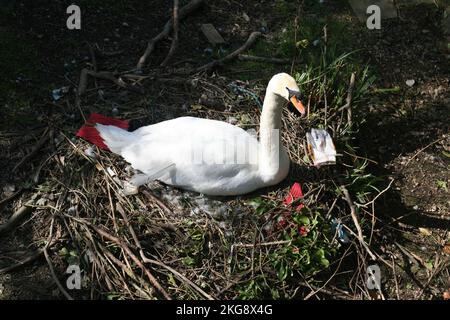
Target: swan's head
x,y
285,86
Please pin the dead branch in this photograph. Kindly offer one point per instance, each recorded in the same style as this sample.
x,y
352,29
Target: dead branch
x,y
27,260
105,75
155,262
17,216
55,278
93,58
348,102
184,11
246,57
158,201
125,247
356,221
250,41
174,44
36,148
9,198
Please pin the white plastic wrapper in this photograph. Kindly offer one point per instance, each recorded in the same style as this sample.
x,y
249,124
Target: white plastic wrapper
x,y
321,147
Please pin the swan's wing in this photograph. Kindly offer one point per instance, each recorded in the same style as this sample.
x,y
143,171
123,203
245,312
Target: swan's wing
x,y
201,151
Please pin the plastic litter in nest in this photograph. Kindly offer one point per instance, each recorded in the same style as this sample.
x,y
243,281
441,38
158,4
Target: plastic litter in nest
x,y
321,147
59,93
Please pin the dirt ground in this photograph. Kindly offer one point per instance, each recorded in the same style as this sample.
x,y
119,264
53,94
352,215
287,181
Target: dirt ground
x,y
406,133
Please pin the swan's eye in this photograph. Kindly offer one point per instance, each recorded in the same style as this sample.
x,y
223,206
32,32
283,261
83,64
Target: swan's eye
x,y
294,93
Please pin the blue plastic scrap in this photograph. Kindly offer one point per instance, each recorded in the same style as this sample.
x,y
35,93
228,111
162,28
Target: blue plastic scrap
x,y
338,227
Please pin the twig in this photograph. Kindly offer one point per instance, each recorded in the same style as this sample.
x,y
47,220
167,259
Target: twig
x,y
245,57
15,219
262,244
158,201
93,59
23,262
184,11
125,247
55,278
250,41
356,221
411,255
82,84
9,198
178,275
105,75
155,262
174,44
433,274
420,151
348,104
36,148
365,205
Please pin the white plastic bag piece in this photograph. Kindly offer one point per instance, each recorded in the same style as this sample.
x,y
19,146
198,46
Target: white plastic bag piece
x,y
321,147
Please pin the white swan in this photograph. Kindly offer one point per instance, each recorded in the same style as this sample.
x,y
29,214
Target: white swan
x,y
208,156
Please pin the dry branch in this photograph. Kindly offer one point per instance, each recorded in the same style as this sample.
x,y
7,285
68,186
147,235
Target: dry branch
x,y
158,201
125,248
184,11
55,278
250,41
17,216
174,44
155,262
348,102
356,221
105,75
36,148
245,57
33,257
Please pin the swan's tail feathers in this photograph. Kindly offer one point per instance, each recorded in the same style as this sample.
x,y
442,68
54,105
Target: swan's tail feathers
x,y
91,133
116,139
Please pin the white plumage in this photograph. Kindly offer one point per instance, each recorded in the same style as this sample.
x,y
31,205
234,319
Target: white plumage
x,y
208,156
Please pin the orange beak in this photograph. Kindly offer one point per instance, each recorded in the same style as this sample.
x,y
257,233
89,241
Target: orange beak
x,y
298,105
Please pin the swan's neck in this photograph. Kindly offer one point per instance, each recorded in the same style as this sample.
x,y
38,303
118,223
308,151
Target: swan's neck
x,y
273,158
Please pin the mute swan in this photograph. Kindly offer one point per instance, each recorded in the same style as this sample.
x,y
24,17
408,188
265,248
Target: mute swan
x,y
208,156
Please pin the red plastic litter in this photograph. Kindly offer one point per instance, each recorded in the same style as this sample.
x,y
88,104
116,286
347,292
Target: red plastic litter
x,y
294,194
92,135
98,118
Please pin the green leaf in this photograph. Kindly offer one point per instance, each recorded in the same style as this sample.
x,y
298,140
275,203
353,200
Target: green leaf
x,y
188,261
63,252
255,203
442,185
282,272
73,253
302,44
325,262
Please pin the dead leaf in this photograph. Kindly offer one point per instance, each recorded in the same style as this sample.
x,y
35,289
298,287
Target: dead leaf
x,y
447,248
425,231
